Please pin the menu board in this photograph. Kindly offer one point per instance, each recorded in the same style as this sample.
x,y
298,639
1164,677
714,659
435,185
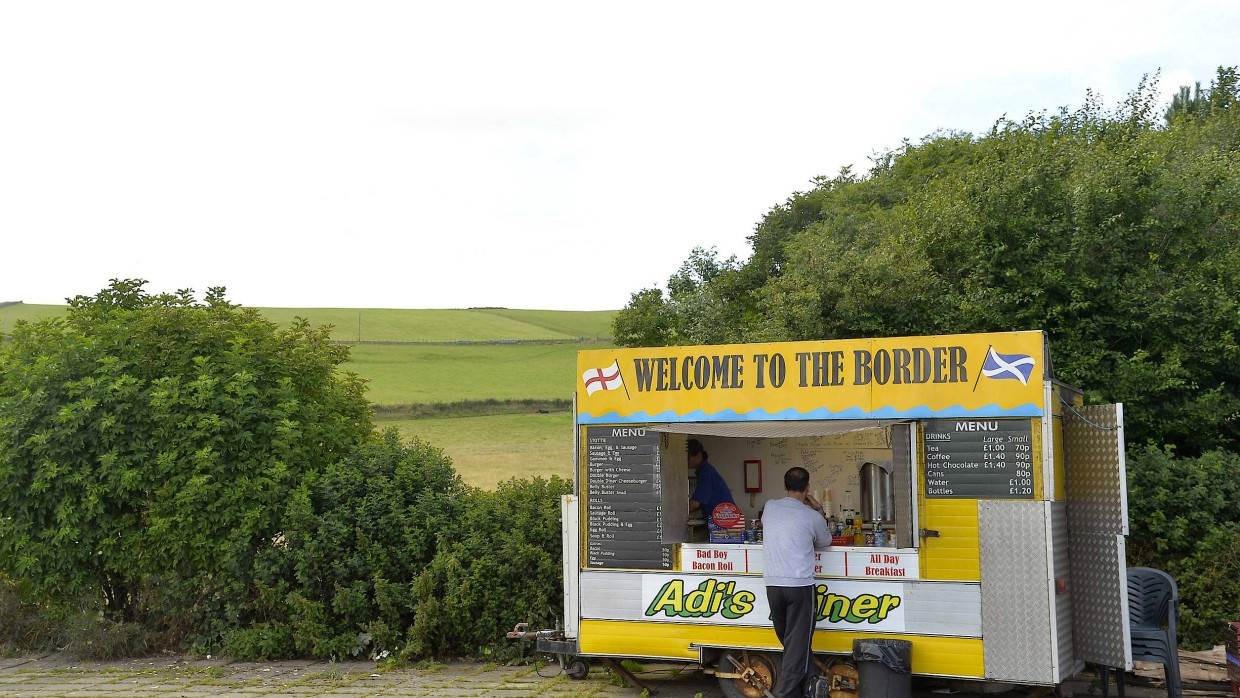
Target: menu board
x,y
624,500
979,458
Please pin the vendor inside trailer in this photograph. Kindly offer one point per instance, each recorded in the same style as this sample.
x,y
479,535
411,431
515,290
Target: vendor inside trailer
x,y
709,488
859,470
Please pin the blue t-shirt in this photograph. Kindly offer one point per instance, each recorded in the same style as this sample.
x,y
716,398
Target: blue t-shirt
x,y
711,490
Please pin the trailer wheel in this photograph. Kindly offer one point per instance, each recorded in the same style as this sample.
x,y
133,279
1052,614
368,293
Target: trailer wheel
x,y
757,673
577,668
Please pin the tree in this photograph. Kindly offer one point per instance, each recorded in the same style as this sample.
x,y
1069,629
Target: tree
x,y
1115,231
149,444
1196,103
702,306
1112,232
644,322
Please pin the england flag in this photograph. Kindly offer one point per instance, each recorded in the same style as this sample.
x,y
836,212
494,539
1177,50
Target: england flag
x,y
608,378
1008,366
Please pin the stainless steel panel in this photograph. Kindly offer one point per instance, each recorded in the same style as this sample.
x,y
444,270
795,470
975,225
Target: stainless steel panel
x,y
1100,600
615,595
902,438
1063,601
570,539
1097,521
1094,461
932,607
1016,609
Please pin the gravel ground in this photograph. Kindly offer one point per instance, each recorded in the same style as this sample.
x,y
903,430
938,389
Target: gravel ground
x,y
58,674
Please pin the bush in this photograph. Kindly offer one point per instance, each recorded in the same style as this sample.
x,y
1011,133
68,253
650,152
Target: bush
x,y
1209,584
80,627
390,552
1185,519
338,582
149,444
175,471
23,626
500,568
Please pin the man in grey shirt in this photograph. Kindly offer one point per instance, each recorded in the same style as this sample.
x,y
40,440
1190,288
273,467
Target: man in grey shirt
x,y
794,528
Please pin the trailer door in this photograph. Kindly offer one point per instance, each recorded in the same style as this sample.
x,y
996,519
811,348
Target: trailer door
x,y
1097,504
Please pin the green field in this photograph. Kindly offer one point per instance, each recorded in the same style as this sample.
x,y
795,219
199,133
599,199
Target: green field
x,y
489,450
590,324
407,374
386,325
10,314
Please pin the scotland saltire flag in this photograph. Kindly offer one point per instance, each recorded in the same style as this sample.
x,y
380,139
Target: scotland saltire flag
x,y
1008,366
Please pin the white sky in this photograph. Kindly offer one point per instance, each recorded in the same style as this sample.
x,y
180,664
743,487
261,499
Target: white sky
x,y
522,154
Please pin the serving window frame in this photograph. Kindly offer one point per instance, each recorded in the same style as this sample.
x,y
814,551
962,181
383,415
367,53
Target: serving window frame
x,y
904,446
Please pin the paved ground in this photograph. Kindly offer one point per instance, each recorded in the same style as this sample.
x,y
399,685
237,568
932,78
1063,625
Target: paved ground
x,y
60,675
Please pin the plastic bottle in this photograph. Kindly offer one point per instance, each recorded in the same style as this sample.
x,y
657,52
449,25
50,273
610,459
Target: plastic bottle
x,y
880,536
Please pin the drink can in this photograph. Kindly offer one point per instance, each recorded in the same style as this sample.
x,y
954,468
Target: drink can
x,y
880,539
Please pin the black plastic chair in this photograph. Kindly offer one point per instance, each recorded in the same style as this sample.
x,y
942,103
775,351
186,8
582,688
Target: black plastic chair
x,y
1153,605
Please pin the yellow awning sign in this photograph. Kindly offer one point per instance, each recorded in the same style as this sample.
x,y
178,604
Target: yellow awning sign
x,y
971,375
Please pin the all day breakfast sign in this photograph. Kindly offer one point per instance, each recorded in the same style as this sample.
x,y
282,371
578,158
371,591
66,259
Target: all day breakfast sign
x,y
974,375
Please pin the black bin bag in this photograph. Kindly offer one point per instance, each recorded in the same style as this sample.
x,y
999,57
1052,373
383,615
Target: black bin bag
x,y
884,667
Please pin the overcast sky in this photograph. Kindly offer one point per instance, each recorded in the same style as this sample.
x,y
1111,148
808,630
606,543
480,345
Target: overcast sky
x,y
519,154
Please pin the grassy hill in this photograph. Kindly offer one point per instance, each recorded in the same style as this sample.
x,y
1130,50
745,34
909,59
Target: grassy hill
x,y
490,449
10,313
400,325
470,325
413,374
454,356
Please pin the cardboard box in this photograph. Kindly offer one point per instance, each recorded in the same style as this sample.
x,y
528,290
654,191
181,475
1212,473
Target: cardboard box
x,y
730,534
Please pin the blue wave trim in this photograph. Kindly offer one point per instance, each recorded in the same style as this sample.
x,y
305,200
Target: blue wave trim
x,y
1028,409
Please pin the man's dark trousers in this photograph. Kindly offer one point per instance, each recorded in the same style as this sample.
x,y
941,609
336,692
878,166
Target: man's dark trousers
x,y
792,612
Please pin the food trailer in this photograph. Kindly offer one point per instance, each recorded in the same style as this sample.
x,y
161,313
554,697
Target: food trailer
x,y
997,497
